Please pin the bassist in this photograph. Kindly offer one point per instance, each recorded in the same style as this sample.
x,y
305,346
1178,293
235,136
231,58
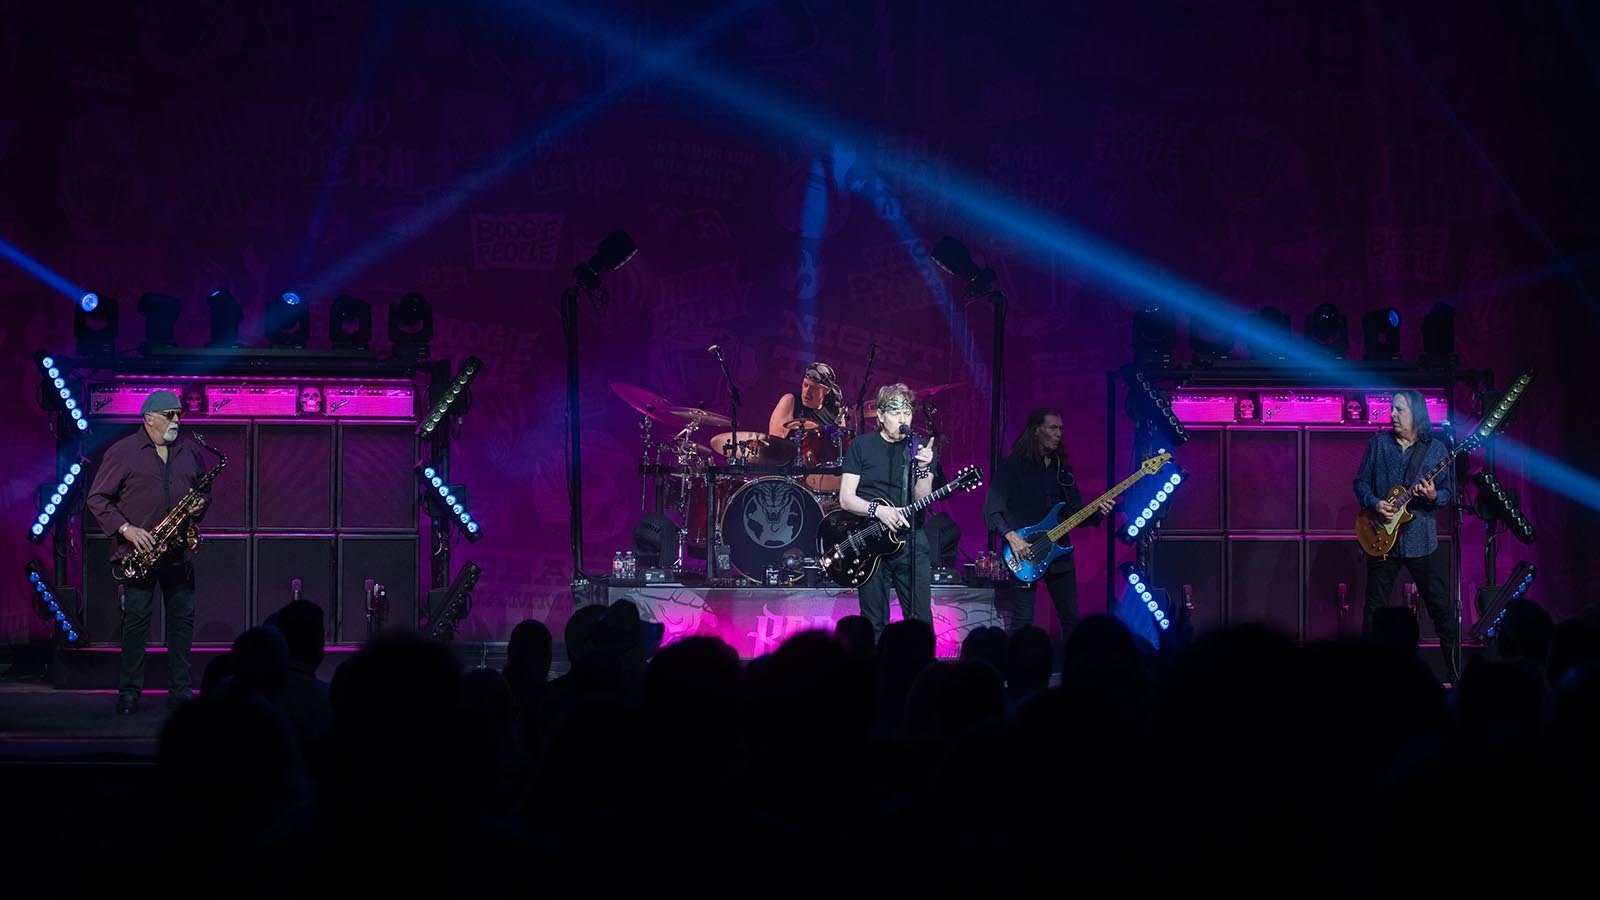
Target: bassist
x,y
1035,477
1397,457
883,472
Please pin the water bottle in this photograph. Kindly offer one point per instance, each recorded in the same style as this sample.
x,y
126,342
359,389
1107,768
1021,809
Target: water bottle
x,y
616,564
630,565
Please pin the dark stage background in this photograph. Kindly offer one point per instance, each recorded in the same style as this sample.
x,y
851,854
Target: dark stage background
x,y
1286,153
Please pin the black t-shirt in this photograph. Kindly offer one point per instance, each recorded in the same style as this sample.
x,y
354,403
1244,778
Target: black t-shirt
x,y
881,465
823,416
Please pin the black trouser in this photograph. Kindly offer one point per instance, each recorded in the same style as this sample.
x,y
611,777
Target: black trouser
x,y
1062,583
1429,573
177,593
914,588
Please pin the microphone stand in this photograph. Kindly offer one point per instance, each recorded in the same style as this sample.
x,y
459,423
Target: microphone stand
x,y
569,326
714,539
996,385
866,379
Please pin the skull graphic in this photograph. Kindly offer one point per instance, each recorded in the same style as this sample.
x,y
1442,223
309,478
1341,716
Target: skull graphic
x,y
1247,408
311,400
194,400
1352,410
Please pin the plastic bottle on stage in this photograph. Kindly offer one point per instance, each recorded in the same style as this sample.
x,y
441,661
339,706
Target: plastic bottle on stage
x,y
630,565
616,565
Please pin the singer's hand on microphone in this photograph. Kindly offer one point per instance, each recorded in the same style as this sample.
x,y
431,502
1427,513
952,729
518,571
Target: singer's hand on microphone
x,y
925,455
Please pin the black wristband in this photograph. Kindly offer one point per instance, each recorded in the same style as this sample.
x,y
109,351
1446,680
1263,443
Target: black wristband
x,y
872,510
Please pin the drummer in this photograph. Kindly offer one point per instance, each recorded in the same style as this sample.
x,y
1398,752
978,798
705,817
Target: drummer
x,y
818,405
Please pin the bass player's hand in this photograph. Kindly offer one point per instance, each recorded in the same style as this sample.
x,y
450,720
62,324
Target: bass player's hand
x,y
140,539
1019,547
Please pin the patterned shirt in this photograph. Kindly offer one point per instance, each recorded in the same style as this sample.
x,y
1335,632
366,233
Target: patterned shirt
x,y
1386,466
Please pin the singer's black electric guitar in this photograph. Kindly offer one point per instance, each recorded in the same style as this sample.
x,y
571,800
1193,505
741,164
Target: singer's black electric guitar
x,y
851,545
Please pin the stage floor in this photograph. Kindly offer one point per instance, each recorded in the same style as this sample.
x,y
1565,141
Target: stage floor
x,y
755,620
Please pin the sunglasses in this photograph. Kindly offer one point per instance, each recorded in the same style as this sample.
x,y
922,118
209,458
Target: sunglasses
x,y
169,413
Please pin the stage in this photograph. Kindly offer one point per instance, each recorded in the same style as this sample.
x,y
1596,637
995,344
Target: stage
x,y
755,620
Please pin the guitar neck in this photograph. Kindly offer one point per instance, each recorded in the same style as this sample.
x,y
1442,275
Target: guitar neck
x,y
1411,489
919,505
1091,508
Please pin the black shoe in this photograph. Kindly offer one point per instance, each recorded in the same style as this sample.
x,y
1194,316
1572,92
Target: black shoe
x,y
127,704
176,699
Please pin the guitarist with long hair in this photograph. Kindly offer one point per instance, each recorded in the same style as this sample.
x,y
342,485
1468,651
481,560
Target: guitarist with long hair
x,y
874,484
1035,477
1397,457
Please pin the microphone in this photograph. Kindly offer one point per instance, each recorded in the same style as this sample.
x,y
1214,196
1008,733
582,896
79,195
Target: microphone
x,y
294,588
1188,597
905,429
716,350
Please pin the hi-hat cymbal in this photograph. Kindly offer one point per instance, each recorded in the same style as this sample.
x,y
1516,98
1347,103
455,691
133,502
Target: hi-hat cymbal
x,y
648,402
807,424
755,447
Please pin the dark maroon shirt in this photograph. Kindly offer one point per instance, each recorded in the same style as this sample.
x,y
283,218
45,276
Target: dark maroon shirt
x,y
133,485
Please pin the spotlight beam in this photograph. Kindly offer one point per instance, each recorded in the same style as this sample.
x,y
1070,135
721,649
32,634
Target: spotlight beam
x,y
48,277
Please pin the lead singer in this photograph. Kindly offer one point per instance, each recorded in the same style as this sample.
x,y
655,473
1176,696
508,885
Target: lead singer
x,y
876,484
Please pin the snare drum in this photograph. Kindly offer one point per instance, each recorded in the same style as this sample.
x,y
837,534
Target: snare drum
x,y
767,519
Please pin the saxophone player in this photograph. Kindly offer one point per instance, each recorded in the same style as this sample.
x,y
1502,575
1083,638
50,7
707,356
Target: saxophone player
x,y
140,478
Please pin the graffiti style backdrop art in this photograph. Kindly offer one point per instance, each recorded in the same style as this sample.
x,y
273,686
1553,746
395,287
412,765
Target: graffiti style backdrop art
x,y
785,168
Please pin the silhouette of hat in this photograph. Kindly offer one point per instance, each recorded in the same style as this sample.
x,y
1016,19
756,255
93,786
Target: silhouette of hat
x,y
621,632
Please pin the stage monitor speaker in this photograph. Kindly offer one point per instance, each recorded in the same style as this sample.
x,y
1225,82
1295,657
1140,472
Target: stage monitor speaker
x,y
391,561
229,510
280,561
1264,581
1263,479
1197,504
377,489
294,478
221,590
1196,562
1332,458
1331,562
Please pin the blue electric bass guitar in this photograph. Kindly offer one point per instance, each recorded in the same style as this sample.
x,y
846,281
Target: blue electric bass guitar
x,y
1044,538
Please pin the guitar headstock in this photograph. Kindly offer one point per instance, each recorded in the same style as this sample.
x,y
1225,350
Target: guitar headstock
x,y
1154,463
969,478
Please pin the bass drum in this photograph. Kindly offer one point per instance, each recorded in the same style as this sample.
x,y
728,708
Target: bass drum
x,y
766,520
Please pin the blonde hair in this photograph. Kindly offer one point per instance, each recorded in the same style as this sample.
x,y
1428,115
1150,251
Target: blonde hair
x,y
889,393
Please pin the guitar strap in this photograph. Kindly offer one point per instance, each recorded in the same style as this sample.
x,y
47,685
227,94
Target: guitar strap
x,y
1414,465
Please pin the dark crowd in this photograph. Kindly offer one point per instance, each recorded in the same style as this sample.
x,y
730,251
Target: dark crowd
x,y
1242,759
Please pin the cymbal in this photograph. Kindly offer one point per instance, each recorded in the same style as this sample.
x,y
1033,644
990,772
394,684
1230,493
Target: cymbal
x,y
938,389
807,424
756,447
699,415
648,402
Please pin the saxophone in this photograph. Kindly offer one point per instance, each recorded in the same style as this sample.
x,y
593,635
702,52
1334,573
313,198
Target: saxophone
x,y
176,528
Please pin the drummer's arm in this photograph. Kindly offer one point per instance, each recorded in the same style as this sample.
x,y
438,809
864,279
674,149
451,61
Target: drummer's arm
x,y
782,414
847,494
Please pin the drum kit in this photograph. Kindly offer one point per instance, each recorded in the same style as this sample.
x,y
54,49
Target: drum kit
x,y
761,495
